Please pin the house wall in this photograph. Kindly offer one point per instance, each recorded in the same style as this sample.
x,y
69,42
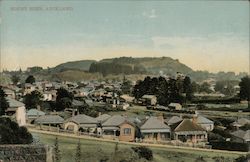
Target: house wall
x,y
152,137
126,137
21,116
75,126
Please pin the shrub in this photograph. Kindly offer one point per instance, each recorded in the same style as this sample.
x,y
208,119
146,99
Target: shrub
x,y
143,152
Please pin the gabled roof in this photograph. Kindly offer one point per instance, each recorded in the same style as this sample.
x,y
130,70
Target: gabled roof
x,y
188,125
103,117
14,103
115,120
82,119
203,120
173,120
242,134
35,112
243,121
154,123
49,119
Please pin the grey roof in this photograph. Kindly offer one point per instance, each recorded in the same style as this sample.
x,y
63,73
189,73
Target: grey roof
x,y
173,120
115,120
77,103
154,123
242,134
243,121
14,103
103,117
203,120
82,119
49,119
35,112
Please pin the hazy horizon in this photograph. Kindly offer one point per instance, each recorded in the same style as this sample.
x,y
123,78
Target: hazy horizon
x,y
204,35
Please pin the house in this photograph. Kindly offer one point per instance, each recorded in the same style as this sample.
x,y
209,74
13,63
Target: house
x,y
149,99
241,122
33,114
205,123
189,131
49,95
175,106
173,120
127,98
241,136
81,122
118,127
50,120
17,109
28,88
155,130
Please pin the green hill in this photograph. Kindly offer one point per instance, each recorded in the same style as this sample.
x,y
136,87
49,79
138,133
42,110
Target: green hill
x,y
145,65
74,65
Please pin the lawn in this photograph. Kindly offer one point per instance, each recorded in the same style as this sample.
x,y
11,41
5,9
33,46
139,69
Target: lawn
x,y
93,151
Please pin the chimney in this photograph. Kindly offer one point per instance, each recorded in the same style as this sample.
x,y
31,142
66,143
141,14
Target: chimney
x,y
160,117
38,107
195,117
99,113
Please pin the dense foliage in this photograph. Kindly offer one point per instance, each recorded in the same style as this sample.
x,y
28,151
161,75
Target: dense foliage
x,y
165,91
30,79
33,99
11,133
144,152
106,68
245,89
63,99
3,102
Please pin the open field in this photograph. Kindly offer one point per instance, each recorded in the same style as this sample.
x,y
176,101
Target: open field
x,y
94,150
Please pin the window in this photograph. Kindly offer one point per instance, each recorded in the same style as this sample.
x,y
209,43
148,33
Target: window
x,y
127,131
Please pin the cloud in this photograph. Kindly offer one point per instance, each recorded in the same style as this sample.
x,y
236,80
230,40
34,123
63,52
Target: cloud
x,y
151,14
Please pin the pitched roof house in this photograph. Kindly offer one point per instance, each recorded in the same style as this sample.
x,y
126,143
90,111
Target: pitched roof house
x,y
154,129
49,120
17,109
81,122
205,123
33,114
119,127
241,136
189,131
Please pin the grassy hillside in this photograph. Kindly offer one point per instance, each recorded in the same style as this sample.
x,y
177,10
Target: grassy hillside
x,y
93,151
146,65
79,65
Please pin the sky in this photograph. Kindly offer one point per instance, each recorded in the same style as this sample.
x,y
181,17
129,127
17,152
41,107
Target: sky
x,y
205,35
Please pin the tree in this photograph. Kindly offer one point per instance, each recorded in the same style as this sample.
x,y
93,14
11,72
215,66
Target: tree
x,y
205,87
15,79
78,152
57,151
187,88
63,99
245,89
144,152
30,79
3,102
33,99
126,86
11,133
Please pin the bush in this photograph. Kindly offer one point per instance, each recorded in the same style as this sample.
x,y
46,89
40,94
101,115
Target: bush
x,y
11,133
143,152
231,146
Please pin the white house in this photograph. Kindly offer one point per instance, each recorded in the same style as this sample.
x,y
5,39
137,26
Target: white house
x,y
17,109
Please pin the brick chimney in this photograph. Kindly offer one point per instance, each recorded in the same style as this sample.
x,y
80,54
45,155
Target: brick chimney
x,y
160,117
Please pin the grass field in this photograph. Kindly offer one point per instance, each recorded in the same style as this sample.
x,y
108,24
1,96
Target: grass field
x,y
93,151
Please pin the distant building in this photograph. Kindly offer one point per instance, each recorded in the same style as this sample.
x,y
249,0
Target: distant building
x,y
149,99
33,114
241,136
175,106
